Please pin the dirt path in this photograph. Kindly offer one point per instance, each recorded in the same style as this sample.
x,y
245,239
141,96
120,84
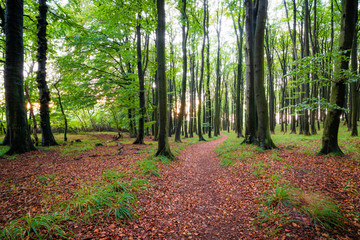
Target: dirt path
x,y
197,199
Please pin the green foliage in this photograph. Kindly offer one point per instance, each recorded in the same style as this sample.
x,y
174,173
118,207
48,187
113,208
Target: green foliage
x,y
44,226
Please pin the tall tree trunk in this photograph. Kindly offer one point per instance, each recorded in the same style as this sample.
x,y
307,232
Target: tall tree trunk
x,y
250,118
269,58
141,132
292,90
18,129
314,88
201,138
192,82
44,94
354,86
239,31
218,80
163,143
207,95
263,132
306,85
185,27
331,128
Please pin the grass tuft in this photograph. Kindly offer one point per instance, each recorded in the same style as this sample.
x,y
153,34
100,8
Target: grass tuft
x,y
38,227
280,196
323,211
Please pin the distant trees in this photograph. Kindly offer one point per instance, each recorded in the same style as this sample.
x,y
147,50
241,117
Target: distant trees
x,y
104,69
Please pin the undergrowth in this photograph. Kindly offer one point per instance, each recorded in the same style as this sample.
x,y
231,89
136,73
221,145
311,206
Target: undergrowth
x,y
44,226
110,196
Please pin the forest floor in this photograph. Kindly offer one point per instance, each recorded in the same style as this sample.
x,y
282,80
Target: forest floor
x,y
217,189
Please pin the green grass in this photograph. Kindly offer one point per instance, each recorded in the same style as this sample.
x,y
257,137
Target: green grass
x,y
148,167
77,148
281,195
274,217
38,227
323,211
46,178
111,196
259,168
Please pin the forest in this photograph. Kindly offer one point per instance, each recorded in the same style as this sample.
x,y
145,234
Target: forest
x,y
179,119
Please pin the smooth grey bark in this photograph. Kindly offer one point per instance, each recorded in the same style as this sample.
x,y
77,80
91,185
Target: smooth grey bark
x,y
294,57
250,118
18,130
163,142
185,28
218,78
199,128
306,85
239,32
208,114
338,86
263,130
269,44
142,64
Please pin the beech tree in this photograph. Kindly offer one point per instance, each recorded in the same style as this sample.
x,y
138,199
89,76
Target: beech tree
x,y
185,31
256,31
338,86
44,93
18,131
163,142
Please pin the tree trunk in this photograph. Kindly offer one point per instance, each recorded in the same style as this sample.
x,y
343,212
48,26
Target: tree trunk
x,y
192,82
63,113
32,115
239,77
263,133
269,58
201,138
141,132
348,23
18,129
218,80
184,77
250,118
44,94
163,143
306,85
354,86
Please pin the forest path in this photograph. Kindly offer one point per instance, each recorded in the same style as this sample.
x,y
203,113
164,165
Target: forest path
x,y
197,199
